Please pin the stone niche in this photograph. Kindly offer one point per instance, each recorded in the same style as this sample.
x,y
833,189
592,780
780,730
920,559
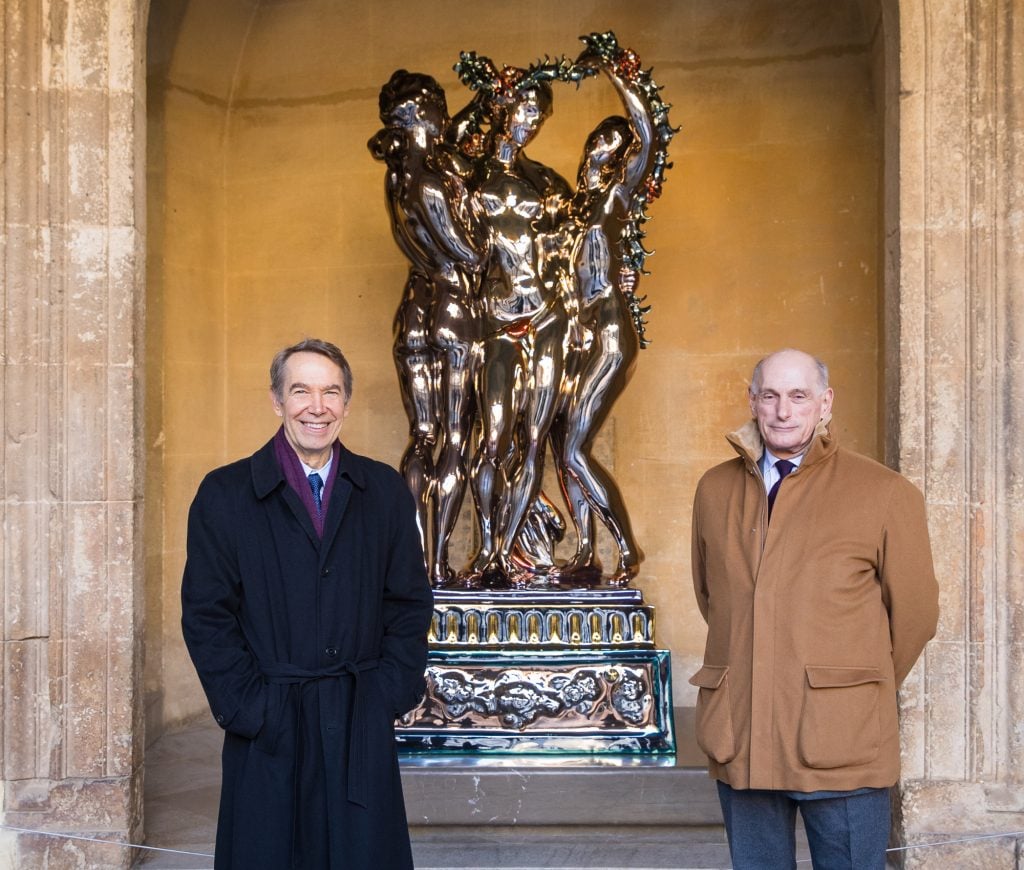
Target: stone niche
x,y
267,222
846,180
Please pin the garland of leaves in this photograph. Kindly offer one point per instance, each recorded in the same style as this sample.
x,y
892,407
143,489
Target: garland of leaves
x,y
479,73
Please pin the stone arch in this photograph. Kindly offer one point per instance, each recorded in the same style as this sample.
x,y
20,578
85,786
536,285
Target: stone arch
x,y
779,160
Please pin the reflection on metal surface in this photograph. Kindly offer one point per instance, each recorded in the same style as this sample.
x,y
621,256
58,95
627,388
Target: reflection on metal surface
x,y
520,319
437,326
560,760
607,702
514,698
553,627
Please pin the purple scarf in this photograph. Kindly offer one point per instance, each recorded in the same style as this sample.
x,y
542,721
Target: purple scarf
x,y
292,469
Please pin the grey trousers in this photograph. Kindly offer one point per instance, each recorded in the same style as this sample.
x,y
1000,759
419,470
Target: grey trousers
x,y
845,830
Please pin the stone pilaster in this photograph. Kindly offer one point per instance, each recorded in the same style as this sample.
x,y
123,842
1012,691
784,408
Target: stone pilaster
x,y
961,406
72,240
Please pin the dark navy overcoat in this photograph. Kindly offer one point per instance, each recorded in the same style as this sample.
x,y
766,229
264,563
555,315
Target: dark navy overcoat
x,y
307,651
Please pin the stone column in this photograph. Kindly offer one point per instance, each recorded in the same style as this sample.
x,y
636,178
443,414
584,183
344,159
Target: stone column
x,y
74,130
960,360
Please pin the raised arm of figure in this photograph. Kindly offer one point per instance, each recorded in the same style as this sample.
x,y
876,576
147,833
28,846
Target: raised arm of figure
x,y
622,68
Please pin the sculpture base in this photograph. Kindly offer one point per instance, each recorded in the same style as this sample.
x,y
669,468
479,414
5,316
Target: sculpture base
x,y
558,620
530,701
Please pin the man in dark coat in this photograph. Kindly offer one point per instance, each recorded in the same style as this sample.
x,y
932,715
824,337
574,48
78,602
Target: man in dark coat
x,y
305,608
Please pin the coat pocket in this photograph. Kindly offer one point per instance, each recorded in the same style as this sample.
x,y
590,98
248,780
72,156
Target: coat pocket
x,y
713,726
839,723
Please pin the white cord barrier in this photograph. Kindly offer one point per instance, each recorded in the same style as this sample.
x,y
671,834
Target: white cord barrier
x,y
123,845
101,840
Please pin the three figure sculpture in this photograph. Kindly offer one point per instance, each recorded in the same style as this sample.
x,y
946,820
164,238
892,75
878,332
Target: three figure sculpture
x,y
519,324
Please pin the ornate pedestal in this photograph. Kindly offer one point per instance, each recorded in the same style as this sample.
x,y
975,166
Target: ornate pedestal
x,y
570,670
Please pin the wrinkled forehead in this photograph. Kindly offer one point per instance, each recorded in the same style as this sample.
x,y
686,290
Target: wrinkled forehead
x,y
312,369
790,371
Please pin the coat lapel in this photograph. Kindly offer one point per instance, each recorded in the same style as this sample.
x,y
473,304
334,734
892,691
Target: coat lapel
x,y
268,477
336,508
300,513
348,478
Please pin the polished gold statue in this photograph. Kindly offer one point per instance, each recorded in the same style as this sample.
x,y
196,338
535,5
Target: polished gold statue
x,y
519,325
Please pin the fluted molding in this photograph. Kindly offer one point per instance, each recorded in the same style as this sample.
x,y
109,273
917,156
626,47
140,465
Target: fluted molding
x,y
72,250
960,412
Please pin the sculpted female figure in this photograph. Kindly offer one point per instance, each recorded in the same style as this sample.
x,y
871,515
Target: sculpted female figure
x,y
618,160
524,324
438,323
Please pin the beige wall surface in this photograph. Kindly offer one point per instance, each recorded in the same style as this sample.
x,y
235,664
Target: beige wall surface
x,y
267,223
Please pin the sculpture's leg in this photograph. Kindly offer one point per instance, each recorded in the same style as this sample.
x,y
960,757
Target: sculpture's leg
x,y
585,560
489,478
606,500
544,353
417,463
456,381
416,364
603,377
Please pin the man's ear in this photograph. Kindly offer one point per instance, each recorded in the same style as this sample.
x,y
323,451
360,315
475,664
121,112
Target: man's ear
x,y
826,403
278,407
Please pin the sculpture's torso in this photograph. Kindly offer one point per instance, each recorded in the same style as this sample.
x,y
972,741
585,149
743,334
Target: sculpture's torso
x,y
511,198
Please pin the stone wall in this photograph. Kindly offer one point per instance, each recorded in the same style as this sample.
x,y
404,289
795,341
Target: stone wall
x,y
71,582
186,420
957,255
71,401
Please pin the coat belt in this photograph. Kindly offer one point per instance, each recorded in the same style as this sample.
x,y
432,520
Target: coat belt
x,y
284,674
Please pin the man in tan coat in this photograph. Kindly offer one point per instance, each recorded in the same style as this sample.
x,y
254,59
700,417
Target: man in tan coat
x,y
813,570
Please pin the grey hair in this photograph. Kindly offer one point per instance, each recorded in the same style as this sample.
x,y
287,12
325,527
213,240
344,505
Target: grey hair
x,y
309,345
755,378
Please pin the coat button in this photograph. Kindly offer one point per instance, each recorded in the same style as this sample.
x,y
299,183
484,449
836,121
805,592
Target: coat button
x,y
325,572
220,719
332,651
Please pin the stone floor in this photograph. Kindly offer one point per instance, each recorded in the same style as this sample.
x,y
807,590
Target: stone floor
x,y
597,814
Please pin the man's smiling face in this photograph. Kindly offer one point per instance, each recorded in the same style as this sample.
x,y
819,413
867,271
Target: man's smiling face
x,y
312,407
788,402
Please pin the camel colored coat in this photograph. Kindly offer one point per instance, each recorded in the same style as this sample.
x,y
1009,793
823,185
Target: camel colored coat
x,y
813,621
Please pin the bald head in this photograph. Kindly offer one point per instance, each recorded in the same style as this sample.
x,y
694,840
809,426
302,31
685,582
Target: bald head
x,y
789,396
790,356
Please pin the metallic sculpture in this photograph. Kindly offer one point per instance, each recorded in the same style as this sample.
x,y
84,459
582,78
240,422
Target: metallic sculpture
x,y
525,325
519,316
615,701
518,328
437,326
618,161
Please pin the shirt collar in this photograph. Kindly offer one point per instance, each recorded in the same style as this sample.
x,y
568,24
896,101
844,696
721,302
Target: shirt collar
x,y
769,473
769,459
324,471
